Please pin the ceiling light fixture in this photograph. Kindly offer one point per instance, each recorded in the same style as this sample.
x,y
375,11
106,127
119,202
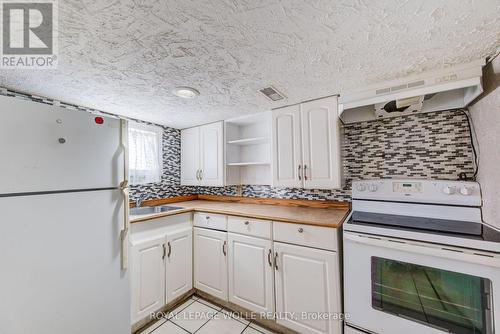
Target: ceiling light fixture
x,y
186,92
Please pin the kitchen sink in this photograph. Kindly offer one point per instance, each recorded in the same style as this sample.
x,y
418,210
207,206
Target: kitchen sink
x,y
147,210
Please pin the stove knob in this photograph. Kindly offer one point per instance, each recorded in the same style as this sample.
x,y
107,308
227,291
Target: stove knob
x,y
361,187
466,191
372,188
449,190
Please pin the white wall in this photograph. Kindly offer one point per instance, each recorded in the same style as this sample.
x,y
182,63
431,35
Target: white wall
x,y
485,115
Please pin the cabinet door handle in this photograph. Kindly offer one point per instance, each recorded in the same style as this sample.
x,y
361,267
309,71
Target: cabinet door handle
x,y
164,252
247,222
201,174
169,249
300,230
276,261
224,248
300,176
305,172
269,258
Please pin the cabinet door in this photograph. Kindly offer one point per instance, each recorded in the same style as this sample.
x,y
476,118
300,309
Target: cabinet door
x,y
286,147
251,273
179,263
307,280
190,156
321,144
212,155
148,278
210,262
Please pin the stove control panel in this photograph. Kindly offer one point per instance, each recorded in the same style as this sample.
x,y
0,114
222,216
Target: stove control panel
x,y
422,191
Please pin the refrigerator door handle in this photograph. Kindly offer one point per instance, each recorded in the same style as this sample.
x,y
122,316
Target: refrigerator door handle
x,y
125,192
126,225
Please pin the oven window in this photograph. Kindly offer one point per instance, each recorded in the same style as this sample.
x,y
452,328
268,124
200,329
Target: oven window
x,y
446,300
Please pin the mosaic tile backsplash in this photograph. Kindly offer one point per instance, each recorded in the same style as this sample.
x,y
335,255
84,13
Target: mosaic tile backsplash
x,y
430,145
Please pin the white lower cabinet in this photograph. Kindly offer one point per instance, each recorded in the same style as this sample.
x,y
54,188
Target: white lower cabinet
x,y
251,282
210,262
262,266
161,266
148,278
179,263
307,286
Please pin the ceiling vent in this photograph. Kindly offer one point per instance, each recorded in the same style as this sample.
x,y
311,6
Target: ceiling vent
x,y
272,93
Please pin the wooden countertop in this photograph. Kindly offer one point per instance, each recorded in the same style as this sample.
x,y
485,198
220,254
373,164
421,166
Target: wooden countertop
x,y
317,214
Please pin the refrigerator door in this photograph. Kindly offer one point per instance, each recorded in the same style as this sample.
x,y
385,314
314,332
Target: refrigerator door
x,y
60,264
48,148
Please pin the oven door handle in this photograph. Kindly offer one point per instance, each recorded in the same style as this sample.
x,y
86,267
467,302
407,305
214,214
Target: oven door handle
x,y
433,250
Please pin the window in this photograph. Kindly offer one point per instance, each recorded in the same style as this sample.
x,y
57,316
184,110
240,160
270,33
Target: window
x,y
145,153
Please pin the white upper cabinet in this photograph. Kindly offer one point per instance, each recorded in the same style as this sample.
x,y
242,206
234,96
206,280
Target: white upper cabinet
x,y
190,156
306,145
179,263
212,155
286,147
202,157
321,162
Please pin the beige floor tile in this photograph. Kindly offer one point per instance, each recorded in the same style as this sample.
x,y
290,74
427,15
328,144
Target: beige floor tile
x,y
169,328
235,316
261,329
250,330
218,308
180,308
153,326
222,324
193,316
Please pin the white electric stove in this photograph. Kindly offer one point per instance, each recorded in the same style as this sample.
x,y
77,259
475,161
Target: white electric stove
x,y
418,259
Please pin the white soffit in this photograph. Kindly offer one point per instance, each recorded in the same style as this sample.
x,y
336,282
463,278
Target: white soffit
x,y
126,57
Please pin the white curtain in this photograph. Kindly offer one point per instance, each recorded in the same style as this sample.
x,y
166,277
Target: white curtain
x,y
145,153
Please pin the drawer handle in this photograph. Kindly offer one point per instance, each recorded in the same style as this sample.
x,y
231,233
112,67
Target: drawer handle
x,y
300,230
247,222
269,258
276,261
207,217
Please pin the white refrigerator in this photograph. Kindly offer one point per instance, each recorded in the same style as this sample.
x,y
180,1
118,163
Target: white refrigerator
x,y
63,211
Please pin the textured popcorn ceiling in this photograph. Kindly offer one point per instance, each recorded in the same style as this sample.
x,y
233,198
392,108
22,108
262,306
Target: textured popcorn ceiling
x,y
125,56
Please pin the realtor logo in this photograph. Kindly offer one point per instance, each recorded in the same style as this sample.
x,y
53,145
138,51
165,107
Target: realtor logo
x,y
29,34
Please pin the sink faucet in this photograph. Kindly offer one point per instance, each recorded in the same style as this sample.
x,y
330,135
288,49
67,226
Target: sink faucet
x,y
140,198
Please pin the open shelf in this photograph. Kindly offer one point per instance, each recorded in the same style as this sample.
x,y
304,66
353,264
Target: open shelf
x,y
248,149
250,141
248,163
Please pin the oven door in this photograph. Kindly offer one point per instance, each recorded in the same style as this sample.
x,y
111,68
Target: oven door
x,y
401,286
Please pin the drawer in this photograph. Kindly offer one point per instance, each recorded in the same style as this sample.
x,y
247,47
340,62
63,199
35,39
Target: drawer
x,y
307,235
210,220
254,227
